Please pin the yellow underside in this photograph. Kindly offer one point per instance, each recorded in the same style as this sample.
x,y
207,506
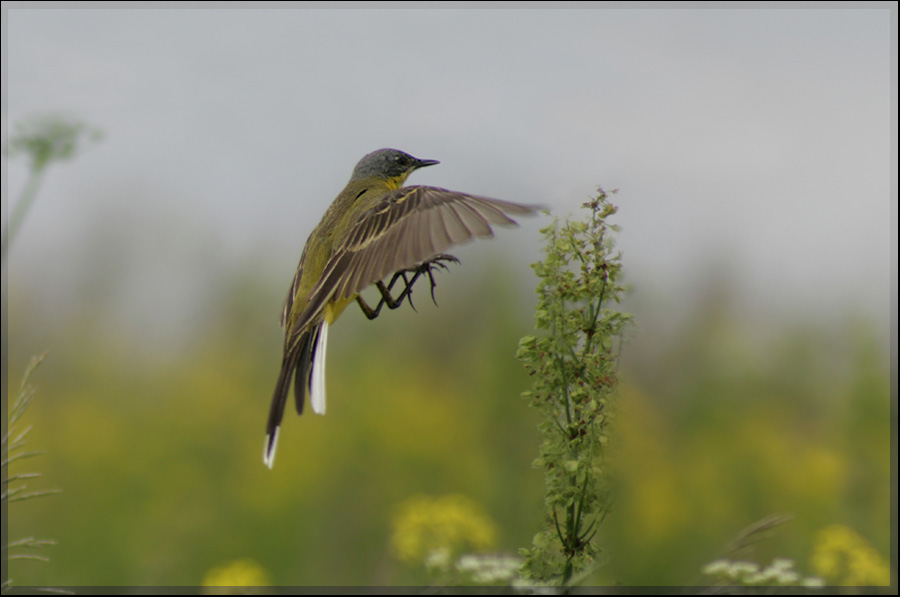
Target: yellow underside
x,y
334,310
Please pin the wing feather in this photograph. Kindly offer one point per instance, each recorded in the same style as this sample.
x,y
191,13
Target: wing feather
x,y
438,233
405,228
456,229
474,222
295,284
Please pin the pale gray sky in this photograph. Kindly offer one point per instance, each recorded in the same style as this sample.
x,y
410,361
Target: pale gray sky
x,y
758,140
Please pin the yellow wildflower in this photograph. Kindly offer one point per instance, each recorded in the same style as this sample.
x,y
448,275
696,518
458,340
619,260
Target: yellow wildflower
x,y
844,558
424,525
224,580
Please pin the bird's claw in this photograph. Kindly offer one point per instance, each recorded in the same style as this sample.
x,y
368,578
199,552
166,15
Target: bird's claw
x,y
409,291
426,267
440,260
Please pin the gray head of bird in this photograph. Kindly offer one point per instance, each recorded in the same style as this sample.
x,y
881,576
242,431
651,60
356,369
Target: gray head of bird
x,y
388,164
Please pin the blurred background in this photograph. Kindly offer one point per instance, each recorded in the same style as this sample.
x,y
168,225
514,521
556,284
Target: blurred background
x,y
752,150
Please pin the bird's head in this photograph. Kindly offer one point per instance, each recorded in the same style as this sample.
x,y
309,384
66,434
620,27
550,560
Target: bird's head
x,y
391,165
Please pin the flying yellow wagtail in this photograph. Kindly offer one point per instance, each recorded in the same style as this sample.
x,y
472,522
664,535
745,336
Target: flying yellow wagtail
x,y
375,227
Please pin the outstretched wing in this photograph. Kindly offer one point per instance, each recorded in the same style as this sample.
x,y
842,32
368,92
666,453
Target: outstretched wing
x,y
405,228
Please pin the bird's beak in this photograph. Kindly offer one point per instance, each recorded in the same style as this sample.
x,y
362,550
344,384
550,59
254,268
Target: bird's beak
x,y
423,163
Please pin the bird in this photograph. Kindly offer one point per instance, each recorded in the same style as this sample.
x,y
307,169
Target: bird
x,y
375,228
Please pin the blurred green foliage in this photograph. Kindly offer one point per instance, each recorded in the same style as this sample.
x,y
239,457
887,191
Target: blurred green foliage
x,y
726,423
159,453
48,137
42,139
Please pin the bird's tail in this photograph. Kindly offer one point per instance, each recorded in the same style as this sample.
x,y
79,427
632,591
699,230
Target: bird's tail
x,y
305,361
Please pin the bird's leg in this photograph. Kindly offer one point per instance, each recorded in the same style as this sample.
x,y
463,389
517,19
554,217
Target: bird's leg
x,y
425,267
386,298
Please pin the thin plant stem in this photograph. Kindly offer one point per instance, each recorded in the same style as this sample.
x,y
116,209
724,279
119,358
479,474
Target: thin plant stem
x,y
21,209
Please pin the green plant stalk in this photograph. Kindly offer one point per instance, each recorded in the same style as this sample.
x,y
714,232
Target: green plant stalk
x,y
574,370
35,178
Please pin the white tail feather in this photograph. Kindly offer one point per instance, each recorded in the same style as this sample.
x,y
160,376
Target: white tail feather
x,y
317,391
269,455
